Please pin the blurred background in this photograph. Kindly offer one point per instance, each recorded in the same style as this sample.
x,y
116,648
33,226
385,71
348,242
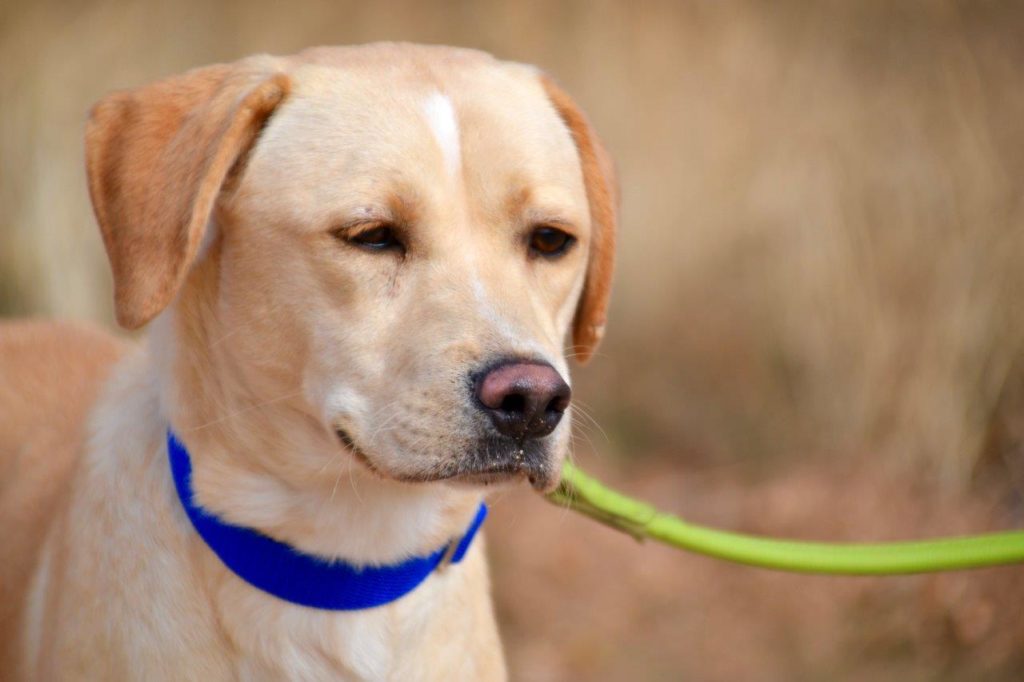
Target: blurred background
x,y
817,327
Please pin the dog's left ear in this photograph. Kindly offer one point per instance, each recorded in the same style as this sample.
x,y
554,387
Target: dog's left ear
x,y
602,197
157,158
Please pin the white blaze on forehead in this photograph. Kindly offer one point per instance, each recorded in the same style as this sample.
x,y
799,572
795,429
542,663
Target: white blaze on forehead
x,y
441,118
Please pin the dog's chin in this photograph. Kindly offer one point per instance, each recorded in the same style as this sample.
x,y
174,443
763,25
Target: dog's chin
x,y
499,478
486,479
504,465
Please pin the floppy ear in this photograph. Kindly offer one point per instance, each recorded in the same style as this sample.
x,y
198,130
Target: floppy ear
x,y
157,158
602,196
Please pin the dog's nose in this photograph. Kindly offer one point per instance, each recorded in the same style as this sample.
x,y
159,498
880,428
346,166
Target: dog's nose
x,y
524,399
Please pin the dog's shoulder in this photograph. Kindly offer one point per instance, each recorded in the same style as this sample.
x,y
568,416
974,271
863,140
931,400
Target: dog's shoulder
x,y
51,374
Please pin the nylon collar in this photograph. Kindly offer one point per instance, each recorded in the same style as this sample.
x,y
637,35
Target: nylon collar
x,y
301,578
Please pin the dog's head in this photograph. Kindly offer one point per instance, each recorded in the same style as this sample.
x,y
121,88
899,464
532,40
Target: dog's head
x,y
406,236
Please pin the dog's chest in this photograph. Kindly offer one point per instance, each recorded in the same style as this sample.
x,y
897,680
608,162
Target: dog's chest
x,y
276,641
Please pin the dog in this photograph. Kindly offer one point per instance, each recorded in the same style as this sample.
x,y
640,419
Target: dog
x,y
362,270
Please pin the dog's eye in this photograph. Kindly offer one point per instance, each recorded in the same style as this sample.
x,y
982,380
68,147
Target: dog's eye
x,y
377,238
550,242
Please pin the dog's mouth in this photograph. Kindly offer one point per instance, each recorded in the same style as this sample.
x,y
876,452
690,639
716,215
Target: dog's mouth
x,y
350,443
494,463
471,475
485,478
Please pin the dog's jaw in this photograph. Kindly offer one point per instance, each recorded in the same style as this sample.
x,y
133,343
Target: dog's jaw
x,y
243,446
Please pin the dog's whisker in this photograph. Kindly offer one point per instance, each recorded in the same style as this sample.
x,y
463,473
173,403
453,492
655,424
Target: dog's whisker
x,y
351,484
224,337
586,438
383,426
585,414
328,462
245,410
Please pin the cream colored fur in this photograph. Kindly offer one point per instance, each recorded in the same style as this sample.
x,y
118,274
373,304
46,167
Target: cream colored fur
x,y
270,332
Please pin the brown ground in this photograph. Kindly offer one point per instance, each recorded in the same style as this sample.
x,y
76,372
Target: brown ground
x,y
578,601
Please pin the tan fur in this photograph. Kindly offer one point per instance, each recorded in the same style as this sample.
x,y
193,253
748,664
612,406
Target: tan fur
x,y
50,375
223,196
157,158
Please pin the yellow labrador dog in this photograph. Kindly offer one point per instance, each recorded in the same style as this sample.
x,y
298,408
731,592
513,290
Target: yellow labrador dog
x,y
361,268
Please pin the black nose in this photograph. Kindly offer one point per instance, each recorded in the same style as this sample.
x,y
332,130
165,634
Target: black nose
x,y
523,399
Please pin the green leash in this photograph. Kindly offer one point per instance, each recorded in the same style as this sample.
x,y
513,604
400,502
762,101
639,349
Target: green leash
x,y
583,494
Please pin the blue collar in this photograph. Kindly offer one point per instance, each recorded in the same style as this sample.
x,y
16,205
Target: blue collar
x,y
301,578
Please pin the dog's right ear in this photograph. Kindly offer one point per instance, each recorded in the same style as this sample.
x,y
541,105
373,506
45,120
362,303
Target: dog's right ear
x,y
157,158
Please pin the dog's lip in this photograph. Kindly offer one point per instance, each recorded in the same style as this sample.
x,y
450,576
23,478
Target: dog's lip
x,y
498,474
484,476
349,443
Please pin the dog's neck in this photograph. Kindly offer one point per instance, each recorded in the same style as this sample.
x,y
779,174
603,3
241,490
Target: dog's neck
x,y
263,461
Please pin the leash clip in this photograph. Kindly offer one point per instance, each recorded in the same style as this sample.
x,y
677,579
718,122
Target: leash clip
x,y
449,554
457,547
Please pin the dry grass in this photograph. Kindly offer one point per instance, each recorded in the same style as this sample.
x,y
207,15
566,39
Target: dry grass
x,y
823,219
